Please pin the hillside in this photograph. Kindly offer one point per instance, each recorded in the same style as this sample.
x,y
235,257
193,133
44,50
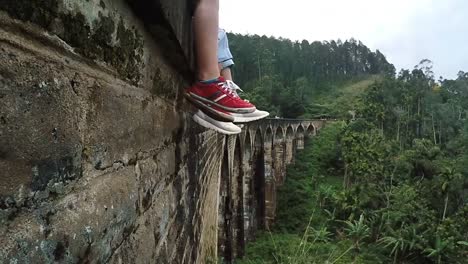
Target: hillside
x,y
289,78
340,101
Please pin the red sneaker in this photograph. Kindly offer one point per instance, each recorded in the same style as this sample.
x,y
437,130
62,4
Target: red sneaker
x,y
218,96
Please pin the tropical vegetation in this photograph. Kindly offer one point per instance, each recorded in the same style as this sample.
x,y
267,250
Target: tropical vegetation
x,y
386,180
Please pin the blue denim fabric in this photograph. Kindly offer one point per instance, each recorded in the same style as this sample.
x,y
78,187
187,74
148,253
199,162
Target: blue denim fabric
x,y
224,54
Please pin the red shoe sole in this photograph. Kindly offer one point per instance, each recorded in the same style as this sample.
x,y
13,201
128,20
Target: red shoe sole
x,y
228,109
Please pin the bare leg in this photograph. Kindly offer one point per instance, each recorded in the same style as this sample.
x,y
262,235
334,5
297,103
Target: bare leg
x,y
226,73
206,21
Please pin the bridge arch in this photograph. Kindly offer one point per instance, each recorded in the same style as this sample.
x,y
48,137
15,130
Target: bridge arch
x,y
300,137
225,209
289,132
278,156
289,145
237,201
247,155
279,135
258,182
258,145
268,136
248,192
311,131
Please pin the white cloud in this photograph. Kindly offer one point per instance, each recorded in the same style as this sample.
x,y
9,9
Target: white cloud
x,y
405,31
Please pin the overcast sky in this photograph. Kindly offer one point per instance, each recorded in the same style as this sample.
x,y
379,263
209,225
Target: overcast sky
x,y
406,31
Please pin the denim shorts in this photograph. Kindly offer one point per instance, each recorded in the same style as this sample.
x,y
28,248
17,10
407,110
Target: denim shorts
x,y
224,54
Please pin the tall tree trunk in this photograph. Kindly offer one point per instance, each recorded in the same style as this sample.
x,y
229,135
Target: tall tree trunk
x,y
418,125
445,206
433,129
440,132
345,180
259,69
382,127
398,131
407,122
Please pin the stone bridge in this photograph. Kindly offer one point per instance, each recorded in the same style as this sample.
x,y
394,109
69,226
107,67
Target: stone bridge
x,y
99,159
253,167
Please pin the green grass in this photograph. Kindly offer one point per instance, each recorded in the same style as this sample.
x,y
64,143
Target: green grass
x,y
338,100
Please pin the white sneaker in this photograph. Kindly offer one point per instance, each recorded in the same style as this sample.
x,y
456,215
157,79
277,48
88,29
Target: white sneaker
x,y
226,128
245,118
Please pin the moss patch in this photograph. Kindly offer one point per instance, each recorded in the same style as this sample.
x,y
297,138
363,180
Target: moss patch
x,y
124,54
41,12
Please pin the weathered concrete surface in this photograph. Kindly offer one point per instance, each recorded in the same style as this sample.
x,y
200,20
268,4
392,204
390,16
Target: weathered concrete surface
x,y
99,160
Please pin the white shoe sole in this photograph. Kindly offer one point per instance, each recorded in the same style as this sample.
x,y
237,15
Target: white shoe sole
x,y
245,118
226,128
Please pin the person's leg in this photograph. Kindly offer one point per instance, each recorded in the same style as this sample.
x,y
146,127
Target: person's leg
x,y
211,93
226,73
205,23
225,59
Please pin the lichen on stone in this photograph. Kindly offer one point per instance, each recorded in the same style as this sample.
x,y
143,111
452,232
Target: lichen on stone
x,y
107,40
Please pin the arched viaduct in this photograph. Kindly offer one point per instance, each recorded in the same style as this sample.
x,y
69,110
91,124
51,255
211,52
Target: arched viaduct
x,y
253,167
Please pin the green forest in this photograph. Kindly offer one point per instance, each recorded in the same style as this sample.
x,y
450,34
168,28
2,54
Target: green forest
x,y
386,180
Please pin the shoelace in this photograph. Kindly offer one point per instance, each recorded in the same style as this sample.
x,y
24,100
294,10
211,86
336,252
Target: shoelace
x,y
227,86
232,88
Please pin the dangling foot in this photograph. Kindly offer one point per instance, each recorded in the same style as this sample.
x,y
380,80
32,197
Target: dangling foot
x,y
218,100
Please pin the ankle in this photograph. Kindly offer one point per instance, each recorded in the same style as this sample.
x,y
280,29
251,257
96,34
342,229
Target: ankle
x,y
209,81
208,75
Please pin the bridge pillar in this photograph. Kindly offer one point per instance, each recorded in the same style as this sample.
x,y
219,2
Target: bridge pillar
x,y
237,223
289,151
248,197
258,186
270,186
300,138
300,143
279,163
231,234
289,147
225,212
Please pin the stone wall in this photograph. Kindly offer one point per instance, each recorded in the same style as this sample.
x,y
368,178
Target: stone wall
x,y
95,161
99,159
